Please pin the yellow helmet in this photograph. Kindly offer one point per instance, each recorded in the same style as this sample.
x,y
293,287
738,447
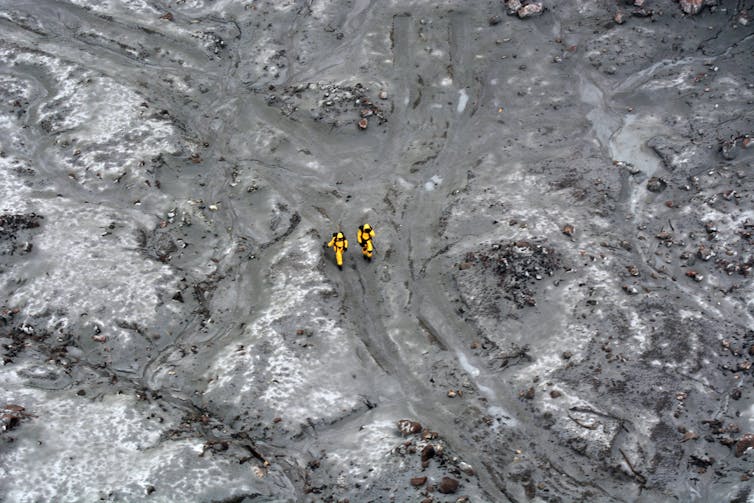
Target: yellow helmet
x,y
367,227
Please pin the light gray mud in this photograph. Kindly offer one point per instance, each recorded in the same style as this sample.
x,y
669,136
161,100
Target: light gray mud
x,y
561,296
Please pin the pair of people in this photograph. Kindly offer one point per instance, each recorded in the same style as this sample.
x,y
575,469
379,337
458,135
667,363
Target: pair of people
x,y
364,237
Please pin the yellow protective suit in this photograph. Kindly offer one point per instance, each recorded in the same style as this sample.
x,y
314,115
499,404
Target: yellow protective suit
x,y
339,244
364,237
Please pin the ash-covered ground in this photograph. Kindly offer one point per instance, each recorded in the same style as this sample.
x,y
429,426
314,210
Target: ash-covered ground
x,y
560,307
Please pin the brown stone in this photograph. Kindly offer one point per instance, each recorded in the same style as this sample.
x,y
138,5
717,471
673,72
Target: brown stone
x,y
744,443
694,275
689,435
418,481
448,485
428,452
555,394
568,230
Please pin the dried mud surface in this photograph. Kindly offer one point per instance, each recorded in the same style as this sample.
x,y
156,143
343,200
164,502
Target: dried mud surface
x,y
560,305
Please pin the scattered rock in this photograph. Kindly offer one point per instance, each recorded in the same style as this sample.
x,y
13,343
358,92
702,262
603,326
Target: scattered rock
x,y
729,149
448,485
701,462
568,230
363,123
694,275
428,452
512,6
494,20
630,289
11,416
528,394
555,394
466,468
619,18
656,184
689,435
530,10
11,222
691,6
408,427
167,16
664,236
382,95
704,253
418,481
746,442
515,265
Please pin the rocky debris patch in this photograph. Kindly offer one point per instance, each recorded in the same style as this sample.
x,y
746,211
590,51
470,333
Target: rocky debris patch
x,y
731,148
636,8
434,455
516,265
745,443
11,223
19,336
656,184
694,7
13,235
329,103
524,8
11,416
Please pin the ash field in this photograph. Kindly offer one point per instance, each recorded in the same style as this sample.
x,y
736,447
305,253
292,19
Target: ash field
x,y
560,308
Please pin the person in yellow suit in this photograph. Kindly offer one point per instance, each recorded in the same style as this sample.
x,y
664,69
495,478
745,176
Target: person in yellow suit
x,y
339,244
364,237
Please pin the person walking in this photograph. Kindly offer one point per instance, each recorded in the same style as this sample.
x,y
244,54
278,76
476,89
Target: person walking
x,y
364,237
339,244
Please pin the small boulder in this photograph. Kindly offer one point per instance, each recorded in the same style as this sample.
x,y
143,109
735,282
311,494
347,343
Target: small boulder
x,y
530,10
691,6
512,6
656,184
448,485
408,427
745,443
418,481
